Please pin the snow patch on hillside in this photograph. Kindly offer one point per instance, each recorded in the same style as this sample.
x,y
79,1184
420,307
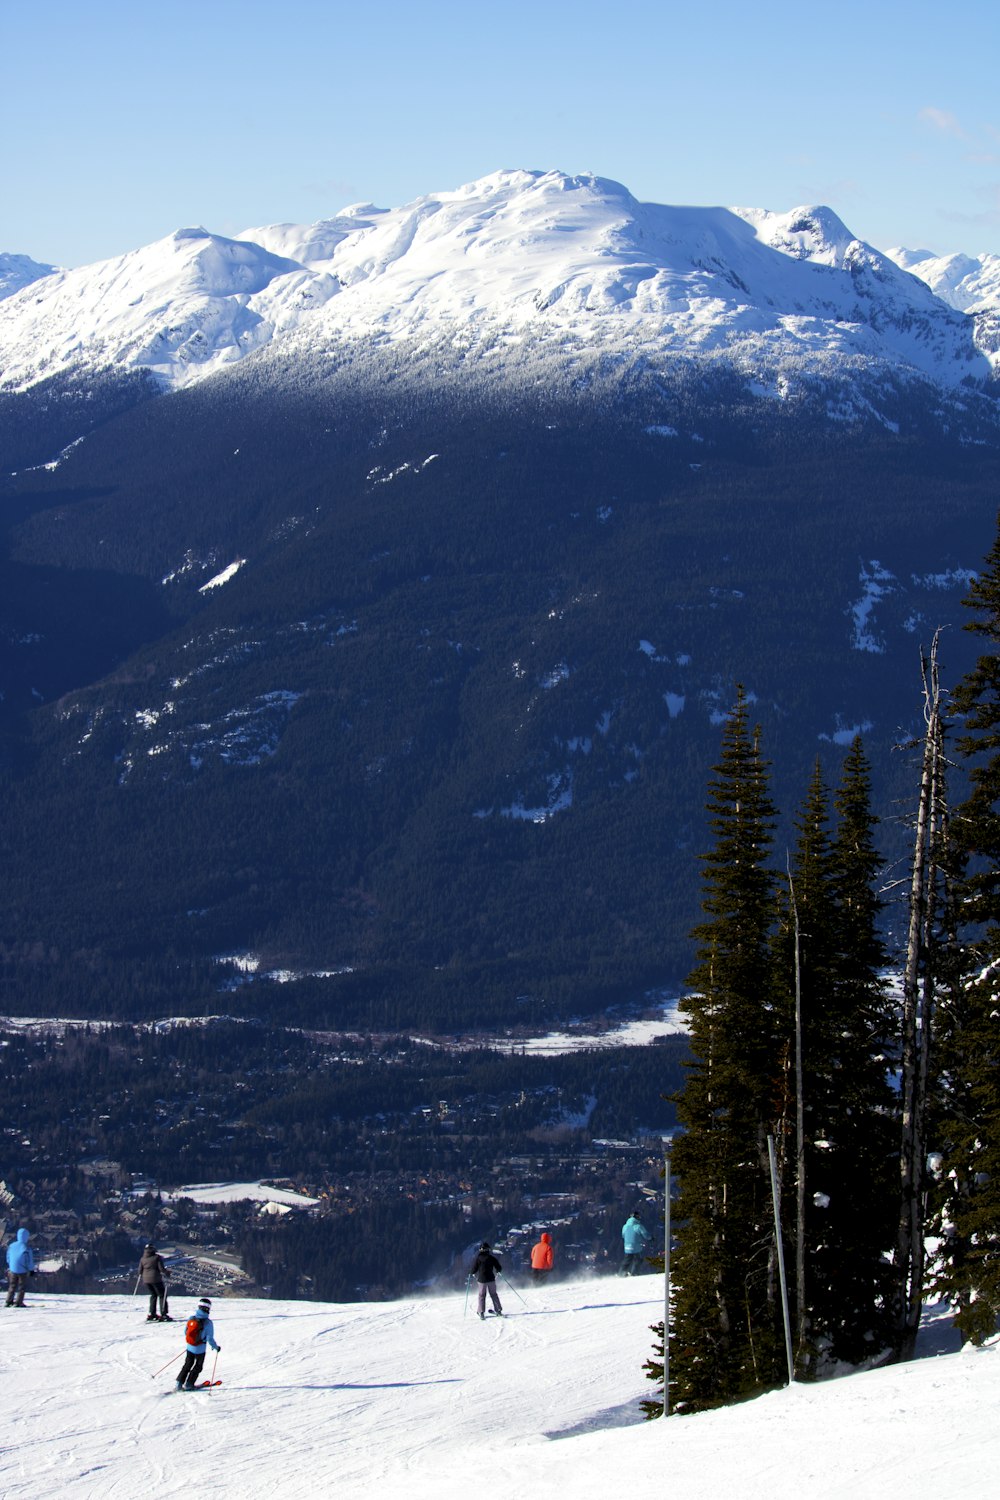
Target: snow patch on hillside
x,y
223,577
240,1192
846,734
559,797
877,584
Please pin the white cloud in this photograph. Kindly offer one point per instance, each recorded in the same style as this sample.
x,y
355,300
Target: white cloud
x,y
943,120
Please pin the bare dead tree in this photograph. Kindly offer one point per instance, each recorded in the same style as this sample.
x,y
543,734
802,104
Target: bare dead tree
x,y
802,1318
918,1008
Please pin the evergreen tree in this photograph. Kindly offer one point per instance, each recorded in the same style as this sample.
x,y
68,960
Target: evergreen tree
x,y
968,1207
806,954
967,1199
726,1339
863,1167
844,1167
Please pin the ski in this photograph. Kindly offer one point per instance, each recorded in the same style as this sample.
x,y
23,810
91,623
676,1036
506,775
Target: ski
x,y
203,1385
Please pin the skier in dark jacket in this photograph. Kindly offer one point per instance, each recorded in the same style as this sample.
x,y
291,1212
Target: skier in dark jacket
x,y
154,1274
486,1268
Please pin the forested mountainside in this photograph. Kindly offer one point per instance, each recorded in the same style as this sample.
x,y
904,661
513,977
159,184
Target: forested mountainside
x,y
402,684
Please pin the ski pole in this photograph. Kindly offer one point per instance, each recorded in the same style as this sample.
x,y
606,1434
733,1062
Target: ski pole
x,y
514,1289
215,1361
167,1365
468,1284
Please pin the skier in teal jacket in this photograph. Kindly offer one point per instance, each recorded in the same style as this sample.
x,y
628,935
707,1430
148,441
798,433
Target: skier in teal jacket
x,y
635,1237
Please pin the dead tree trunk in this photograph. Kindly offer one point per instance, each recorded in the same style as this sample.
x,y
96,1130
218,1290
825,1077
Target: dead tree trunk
x,y
801,1310
918,1012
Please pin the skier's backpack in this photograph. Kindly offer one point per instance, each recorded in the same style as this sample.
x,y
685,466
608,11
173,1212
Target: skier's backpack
x,y
194,1333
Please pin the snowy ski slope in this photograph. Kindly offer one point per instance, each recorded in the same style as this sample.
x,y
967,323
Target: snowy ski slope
x,y
418,1399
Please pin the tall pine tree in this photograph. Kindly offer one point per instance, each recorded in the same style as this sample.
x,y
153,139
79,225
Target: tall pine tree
x,y
968,1058
864,1167
805,966
841,1177
726,1337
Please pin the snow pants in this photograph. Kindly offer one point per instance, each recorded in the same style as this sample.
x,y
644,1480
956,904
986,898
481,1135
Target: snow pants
x,y
157,1293
191,1368
491,1287
16,1284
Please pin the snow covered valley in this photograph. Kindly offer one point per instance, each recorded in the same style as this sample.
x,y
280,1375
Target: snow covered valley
x,y
420,1399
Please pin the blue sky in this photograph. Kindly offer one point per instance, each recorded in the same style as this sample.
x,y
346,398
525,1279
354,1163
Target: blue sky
x,y
120,122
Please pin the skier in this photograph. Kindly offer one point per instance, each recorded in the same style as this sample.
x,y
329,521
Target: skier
x,y
541,1258
635,1236
198,1334
152,1272
486,1268
20,1265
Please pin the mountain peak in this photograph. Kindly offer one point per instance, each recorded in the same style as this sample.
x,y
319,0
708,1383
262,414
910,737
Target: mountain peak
x,y
19,271
970,284
811,232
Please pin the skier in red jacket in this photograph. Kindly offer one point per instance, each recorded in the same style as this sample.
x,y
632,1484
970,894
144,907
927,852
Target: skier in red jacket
x,y
541,1258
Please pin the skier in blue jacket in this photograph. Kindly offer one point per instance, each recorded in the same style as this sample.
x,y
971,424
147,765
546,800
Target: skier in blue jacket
x,y
20,1265
198,1335
635,1237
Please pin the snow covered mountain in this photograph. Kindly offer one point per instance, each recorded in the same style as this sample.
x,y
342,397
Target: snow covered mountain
x,y
17,271
573,267
411,1399
181,308
971,284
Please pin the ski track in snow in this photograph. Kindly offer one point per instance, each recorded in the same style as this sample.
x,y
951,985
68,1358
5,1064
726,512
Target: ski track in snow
x,y
420,1400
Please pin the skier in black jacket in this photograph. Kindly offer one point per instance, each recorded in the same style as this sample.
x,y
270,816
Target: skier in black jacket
x,y
153,1274
486,1268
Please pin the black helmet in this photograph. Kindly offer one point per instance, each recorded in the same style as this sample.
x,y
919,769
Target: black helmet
x,y
151,1247
485,1245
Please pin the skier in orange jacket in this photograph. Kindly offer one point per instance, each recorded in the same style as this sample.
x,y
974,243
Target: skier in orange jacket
x,y
541,1258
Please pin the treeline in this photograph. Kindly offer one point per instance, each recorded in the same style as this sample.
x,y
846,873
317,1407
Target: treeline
x,y
878,1117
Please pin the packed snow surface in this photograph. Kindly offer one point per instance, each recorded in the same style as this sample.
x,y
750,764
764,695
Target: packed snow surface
x,y
517,258
418,1400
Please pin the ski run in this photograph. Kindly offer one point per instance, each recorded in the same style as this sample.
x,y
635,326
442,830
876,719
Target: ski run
x,y
419,1399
